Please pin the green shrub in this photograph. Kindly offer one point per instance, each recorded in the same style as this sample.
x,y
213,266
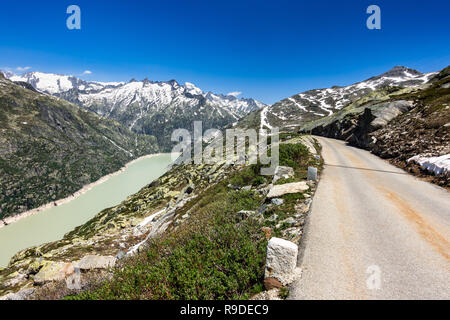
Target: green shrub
x,y
293,155
258,181
210,256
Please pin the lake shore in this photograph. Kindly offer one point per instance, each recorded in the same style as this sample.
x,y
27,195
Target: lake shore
x,y
86,188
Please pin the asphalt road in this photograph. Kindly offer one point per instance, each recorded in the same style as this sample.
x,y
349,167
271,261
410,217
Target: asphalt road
x,y
374,232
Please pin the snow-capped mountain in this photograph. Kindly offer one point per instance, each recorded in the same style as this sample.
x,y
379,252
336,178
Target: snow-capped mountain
x,y
146,106
56,84
314,104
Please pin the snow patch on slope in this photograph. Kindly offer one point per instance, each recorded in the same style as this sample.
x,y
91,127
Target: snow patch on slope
x,y
264,122
436,165
312,104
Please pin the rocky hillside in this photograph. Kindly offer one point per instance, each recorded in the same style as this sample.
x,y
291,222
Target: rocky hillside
x,y
293,112
198,232
422,132
50,148
397,124
148,107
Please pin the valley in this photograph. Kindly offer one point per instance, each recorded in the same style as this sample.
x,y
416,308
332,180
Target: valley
x,y
50,148
204,228
73,212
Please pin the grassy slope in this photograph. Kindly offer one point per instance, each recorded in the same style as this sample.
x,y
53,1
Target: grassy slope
x,y
50,148
217,253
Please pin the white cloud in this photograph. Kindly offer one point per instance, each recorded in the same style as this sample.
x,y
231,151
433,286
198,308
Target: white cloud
x,y
87,72
235,93
23,69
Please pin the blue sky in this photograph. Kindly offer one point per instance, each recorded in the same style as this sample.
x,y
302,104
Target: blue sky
x,y
268,50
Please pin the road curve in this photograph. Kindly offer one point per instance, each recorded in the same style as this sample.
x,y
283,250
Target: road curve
x,y
374,232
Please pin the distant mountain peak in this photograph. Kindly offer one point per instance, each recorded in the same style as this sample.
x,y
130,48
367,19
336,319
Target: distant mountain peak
x,y
399,71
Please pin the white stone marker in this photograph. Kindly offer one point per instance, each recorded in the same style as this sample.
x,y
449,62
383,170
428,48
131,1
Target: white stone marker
x,y
312,173
281,260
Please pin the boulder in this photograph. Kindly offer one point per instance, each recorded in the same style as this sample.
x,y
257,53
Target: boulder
x,y
277,201
387,111
53,271
282,189
21,295
96,262
281,261
271,295
243,215
283,173
120,255
233,187
312,173
16,278
36,265
289,221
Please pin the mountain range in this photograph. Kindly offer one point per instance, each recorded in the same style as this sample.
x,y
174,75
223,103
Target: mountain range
x,y
147,107
50,148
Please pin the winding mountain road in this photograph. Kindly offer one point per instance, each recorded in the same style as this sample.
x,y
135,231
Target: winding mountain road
x,y
374,232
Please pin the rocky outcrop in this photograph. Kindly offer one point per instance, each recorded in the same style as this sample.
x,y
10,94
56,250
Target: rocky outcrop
x,y
21,295
53,271
422,132
92,262
355,128
282,173
282,189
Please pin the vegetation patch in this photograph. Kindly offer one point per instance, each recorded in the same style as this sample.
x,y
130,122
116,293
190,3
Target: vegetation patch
x,y
213,255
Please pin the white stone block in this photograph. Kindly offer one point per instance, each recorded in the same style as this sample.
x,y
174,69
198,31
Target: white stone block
x,y
281,260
